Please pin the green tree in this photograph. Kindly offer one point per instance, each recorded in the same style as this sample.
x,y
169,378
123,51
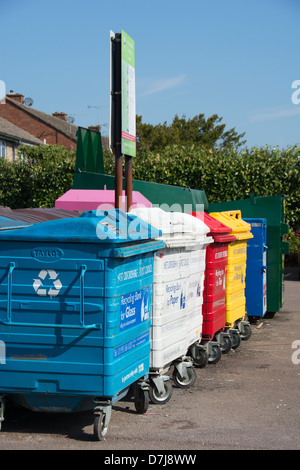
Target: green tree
x,y
209,133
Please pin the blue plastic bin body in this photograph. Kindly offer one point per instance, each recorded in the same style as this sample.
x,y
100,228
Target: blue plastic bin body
x,y
75,304
256,270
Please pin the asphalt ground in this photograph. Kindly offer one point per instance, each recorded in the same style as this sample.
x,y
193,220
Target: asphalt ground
x,y
249,400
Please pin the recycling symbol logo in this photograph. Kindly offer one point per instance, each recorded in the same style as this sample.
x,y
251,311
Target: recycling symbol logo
x,y
47,283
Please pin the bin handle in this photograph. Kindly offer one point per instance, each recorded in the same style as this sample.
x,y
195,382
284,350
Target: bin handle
x,y
9,291
82,273
9,321
236,214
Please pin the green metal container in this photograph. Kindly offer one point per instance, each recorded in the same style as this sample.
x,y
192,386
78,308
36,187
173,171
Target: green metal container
x,y
89,152
271,208
89,174
167,197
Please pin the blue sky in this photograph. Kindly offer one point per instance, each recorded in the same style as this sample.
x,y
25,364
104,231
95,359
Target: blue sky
x,y
234,58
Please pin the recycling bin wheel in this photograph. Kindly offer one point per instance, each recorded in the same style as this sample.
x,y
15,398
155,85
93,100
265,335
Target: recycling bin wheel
x,y
253,320
215,355
184,382
2,408
246,333
161,398
199,356
100,429
235,338
226,345
141,400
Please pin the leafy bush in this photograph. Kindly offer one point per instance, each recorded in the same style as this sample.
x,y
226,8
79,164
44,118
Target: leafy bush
x,y
41,175
292,258
225,175
44,173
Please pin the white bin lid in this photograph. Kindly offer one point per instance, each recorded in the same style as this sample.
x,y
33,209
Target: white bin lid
x,y
175,226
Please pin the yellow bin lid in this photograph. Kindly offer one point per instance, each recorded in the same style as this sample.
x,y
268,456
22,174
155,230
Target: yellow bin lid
x,y
233,219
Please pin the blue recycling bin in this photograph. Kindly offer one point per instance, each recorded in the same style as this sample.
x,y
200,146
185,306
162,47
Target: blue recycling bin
x,y
256,270
75,303
9,224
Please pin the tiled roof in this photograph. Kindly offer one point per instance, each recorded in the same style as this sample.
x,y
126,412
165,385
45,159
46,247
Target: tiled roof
x,y
60,125
10,130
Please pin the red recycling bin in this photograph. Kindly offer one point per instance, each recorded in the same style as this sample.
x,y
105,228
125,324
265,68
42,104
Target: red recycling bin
x,y
214,338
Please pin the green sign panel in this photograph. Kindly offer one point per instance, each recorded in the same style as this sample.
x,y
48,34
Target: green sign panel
x,y
128,96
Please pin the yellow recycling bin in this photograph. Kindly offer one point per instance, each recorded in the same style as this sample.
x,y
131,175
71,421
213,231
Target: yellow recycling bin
x,y
236,324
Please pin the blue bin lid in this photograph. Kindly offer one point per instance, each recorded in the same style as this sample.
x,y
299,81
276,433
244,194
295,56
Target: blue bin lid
x,y
111,226
9,224
255,220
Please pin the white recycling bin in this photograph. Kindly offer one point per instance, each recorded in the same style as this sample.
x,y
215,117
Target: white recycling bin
x,y
178,282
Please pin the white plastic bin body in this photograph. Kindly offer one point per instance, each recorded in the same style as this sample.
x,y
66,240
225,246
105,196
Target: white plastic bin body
x,y
178,283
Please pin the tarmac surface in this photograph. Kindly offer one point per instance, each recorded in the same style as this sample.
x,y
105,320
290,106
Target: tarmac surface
x,y
249,400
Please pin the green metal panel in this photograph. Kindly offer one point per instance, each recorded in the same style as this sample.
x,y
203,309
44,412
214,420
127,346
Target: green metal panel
x,y
89,174
272,209
89,153
170,198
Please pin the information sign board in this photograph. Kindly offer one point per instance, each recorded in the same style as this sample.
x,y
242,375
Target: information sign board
x,y
128,95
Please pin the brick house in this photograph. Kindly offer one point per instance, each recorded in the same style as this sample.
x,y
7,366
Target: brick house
x,y
49,129
11,137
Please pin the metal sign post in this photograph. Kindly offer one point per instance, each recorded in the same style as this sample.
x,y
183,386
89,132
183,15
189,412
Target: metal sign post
x,y
122,135
115,116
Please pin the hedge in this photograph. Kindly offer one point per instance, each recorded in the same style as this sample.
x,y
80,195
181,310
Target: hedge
x,y
225,176
41,175
44,173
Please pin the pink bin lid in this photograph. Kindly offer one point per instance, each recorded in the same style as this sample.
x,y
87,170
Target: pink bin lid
x,y
93,199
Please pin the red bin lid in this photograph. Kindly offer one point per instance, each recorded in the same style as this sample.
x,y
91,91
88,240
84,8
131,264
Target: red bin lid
x,y
218,230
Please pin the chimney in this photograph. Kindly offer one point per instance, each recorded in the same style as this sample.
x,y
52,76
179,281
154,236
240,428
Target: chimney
x,y
95,128
62,116
16,96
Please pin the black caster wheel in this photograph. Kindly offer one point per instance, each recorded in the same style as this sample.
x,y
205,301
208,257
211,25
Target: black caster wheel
x,y
200,358
141,400
226,345
235,338
246,333
215,356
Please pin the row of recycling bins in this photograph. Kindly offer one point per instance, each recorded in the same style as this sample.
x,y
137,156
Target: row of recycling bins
x,y
103,305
